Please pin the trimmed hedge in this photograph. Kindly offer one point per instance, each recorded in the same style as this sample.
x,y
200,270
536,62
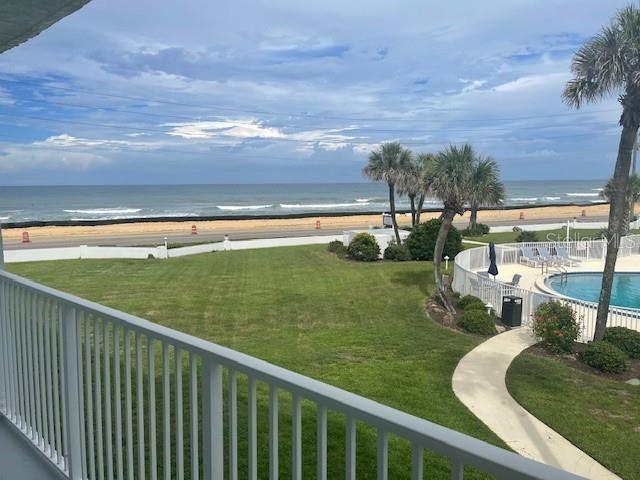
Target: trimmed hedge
x,y
479,230
526,236
478,322
469,301
397,253
625,339
334,245
605,357
341,251
364,248
556,325
421,242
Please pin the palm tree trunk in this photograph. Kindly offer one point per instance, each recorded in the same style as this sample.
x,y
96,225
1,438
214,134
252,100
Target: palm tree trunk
x,y
392,208
447,219
473,218
617,215
419,209
412,199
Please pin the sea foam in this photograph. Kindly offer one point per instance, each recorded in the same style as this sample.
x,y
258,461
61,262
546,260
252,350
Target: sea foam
x,y
243,207
582,194
322,205
106,211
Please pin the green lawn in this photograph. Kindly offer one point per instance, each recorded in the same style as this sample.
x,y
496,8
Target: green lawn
x,y
600,416
543,236
358,326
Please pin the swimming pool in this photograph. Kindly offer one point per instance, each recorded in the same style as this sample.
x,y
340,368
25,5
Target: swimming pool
x,y
586,286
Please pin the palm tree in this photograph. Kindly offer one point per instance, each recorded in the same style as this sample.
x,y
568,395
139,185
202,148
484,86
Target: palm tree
x,y
386,165
409,184
609,63
487,189
632,196
452,171
426,161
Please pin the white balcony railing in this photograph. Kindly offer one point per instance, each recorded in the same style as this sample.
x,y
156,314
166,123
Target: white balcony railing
x,y
103,395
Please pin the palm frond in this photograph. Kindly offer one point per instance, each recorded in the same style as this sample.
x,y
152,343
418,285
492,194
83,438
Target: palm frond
x,y
386,163
452,176
486,188
608,63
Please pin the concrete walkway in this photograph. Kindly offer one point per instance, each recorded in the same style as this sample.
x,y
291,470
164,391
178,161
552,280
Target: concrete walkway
x,y
479,383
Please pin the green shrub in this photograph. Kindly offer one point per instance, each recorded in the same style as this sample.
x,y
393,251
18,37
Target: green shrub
x,y
397,253
341,251
605,357
469,300
516,229
556,326
478,322
364,248
422,241
625,339
526,236
480,229
334,245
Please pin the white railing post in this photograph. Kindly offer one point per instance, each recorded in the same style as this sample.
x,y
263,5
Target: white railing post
x,y
1,249
212,427
4,355
71,392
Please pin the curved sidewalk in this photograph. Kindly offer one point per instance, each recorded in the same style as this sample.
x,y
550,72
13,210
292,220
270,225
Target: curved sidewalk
x,y
479,383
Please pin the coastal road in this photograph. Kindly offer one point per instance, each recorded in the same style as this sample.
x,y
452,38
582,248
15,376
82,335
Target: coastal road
x,y
149,239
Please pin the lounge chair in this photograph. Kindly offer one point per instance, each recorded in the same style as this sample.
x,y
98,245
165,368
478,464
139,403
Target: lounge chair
x,y
545,255
515,281
530,258
562,255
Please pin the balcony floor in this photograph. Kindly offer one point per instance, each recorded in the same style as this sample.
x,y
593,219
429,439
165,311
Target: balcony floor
x,y
19,460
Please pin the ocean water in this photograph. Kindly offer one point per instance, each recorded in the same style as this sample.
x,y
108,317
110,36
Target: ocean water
x,y
94,203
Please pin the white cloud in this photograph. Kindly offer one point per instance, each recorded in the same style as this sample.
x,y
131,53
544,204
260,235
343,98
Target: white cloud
x,y
66,140
241,130
533,82
29,157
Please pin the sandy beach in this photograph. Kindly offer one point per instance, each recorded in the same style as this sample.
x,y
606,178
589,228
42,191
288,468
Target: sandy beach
x,y
133,230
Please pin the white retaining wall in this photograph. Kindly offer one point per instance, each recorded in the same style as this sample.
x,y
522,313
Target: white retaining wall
x,y
90,252
82,252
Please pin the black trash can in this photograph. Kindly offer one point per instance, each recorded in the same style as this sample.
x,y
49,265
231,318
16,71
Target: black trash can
x,y
512,310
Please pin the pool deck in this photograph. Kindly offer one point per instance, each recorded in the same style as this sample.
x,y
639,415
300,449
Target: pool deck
x,y
531,275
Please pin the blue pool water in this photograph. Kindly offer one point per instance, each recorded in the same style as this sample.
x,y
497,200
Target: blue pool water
x,y
586,286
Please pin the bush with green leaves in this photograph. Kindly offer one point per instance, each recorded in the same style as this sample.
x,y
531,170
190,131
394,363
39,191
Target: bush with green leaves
x,y
397,253
625,339
479,230
526,236
364,248
478,322
334,245
421,241
556,326
605,357
341,251
470,301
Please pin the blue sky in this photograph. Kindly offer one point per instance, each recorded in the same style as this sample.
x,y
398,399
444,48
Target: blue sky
x,y
281,91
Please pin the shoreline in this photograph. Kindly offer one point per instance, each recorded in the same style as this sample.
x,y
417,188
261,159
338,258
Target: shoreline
x,y
283,216
158,228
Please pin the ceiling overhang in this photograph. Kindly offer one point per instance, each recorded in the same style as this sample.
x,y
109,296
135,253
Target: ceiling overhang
x,y
21,20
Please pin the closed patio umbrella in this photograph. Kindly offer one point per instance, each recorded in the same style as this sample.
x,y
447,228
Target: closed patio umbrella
x,y
493,268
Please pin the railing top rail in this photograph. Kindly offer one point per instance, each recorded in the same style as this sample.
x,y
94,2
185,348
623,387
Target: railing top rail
x,y
429,435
